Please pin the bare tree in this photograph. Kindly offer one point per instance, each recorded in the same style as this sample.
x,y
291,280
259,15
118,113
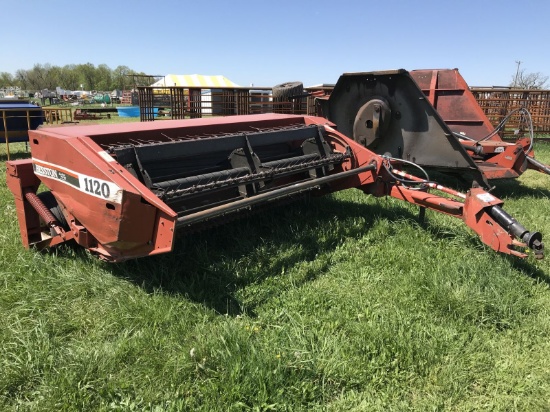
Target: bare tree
x,y
523,80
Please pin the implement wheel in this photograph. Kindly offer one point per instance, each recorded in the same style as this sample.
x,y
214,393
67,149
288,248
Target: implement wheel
x,y
284,93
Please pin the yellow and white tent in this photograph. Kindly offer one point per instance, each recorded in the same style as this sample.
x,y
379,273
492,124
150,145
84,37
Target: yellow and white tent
x,y
194,80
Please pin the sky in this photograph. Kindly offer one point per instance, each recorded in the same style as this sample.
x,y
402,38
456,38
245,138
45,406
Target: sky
x,y
265,43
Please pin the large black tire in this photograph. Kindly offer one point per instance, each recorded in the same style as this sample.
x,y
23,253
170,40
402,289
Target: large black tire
x,y
285,91
51,203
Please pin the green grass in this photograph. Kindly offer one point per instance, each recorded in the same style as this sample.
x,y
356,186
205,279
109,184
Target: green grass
x,y
342,303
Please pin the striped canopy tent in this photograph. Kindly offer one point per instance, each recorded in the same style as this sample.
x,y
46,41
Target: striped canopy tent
x,y
194,80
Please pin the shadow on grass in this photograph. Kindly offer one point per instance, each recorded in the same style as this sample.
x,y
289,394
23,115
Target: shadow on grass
x,y
522,265
514,189
14,156
527,268
212,266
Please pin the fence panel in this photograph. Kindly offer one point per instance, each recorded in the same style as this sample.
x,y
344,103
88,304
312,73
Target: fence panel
x,y
179,102
498,103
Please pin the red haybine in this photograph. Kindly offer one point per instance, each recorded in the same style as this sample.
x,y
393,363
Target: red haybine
x,y
123,191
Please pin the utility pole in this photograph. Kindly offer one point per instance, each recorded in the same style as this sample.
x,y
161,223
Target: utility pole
x,y
517,74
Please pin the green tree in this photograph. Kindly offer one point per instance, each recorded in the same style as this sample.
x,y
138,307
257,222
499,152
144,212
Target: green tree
x,y
105,78
69,77
53,77
6,79
120,78
22,79
37,76
88,75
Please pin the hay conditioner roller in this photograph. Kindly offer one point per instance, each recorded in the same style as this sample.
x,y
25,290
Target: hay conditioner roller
x,y
123,191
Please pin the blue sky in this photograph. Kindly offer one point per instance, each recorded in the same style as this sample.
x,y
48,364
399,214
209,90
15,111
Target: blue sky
x,y
270,42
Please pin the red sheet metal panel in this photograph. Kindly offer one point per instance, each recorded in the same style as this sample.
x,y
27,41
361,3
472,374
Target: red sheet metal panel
x,y
450,95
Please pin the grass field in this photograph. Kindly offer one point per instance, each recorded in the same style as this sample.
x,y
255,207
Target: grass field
x,y
342,303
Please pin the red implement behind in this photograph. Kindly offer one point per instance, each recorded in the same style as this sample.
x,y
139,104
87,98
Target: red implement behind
x,y
123,191
428,117
448,92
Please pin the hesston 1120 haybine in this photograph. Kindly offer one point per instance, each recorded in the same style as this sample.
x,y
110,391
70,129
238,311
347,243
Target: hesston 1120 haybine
x,y
123,191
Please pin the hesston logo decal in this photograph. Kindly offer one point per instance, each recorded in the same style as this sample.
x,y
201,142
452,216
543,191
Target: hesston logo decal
x,y
86,184
55,172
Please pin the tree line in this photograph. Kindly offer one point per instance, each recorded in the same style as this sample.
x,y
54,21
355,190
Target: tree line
x,y
74,77
103,78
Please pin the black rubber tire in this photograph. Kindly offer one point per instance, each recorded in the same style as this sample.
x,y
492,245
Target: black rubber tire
x,y
51,203
283,92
